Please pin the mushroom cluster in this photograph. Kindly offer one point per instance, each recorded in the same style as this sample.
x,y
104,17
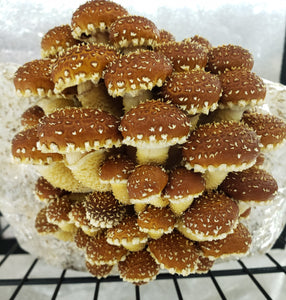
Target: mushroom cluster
x,y
149,150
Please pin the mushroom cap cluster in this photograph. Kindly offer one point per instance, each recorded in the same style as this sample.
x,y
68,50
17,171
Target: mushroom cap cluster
x,y
163,182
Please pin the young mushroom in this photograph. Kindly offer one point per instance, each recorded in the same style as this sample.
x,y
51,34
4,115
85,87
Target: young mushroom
x,y
134,76
218,148
92,20
31,116
152,127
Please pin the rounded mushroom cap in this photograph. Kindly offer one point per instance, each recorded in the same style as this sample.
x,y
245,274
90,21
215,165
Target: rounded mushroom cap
x,y
236,243
31,116
184,55
24,149
133,31
154,122
196,91
34,78
100,252
160,219
139,267
116,168
78,129
211,216
81,63
270,128
81,239
56,40
202,41
227,145
93,16
183,183
250,185
241,87
175,253
42,225
166,36
103,210
146,181
45,191
139,70
101,271
228,57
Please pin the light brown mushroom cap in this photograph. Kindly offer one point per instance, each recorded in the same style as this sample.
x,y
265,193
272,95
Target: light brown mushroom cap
x,y
34,78
229,57
127,234
31,116
184,55
235,244
101,271
78,130
270,128
133,31
45,191
154,123
226,145
166,36
81,239
103,210
99,252
241,88
77,215
204,264
196,91
175,253
58,213
211,216
95,16
139,268
253,186
201,40
156,221
81,63
139,70
42,225
56,40
146,183
24,149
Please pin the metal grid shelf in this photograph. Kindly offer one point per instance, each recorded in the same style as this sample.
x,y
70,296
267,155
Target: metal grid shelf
x,y
10,248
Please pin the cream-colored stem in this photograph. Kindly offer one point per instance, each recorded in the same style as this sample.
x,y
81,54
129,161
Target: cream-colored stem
x,y
72,157
120,192
158,155
132,100
214,178
229,114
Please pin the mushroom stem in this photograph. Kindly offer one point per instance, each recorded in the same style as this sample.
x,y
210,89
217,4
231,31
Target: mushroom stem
x,y
133,99
229,114
158,155
120,192
178,206
214,178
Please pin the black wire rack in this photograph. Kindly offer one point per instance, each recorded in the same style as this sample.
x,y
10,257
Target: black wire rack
x,y
9,247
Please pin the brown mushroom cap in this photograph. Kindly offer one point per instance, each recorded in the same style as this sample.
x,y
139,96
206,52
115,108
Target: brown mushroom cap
x,y
235,244
42,225
240,88
252,185
116,168
127,234
139,267
45,191
155,220
204,264
34,78
94,16
270,128
211,216
202,41
81,63
229,57
99,252
226,145
139,70
103,210
56,40
24,149
101,271
78,129
154,123
145,182
133,31
184,55
81,239
196,91
31,116
175,253
166,36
